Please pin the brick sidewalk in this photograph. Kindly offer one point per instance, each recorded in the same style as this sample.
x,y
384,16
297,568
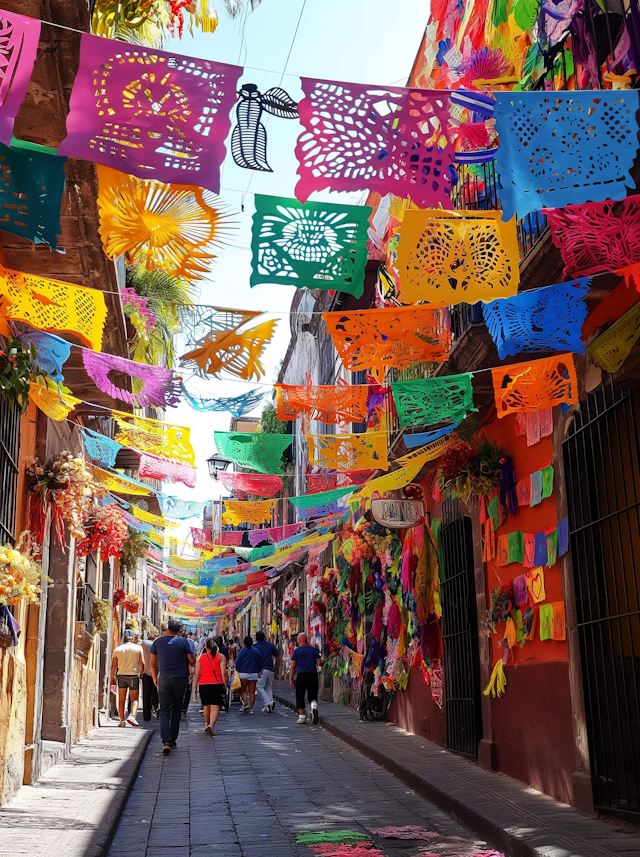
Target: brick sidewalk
x,y
74,809
509,815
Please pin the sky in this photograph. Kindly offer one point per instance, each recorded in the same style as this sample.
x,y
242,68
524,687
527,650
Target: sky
x,y
361,41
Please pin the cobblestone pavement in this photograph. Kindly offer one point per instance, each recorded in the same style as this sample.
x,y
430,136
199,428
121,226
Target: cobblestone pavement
x,y
260,782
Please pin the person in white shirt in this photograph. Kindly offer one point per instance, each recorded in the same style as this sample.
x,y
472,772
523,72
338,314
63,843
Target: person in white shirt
x,y
128,660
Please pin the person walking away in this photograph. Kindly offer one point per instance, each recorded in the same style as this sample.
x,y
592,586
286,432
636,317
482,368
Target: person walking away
x,y
249,667
221,647
187,695
150,700
171,655
128,659
264,686
212,678
304,663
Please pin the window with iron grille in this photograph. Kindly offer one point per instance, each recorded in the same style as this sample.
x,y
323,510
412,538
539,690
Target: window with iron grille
x,y
9,445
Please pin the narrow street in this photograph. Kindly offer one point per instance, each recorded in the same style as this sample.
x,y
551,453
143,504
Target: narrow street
x,y
260,783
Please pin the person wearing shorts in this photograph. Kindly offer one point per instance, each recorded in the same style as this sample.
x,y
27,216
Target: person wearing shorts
x,y
305,661
249,667
212,678
128,660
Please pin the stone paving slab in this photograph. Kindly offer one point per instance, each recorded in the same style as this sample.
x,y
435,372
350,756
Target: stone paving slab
x,y
511,816
74,809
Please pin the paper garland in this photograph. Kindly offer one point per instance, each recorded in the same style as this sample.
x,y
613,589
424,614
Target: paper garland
x,y
377,138
262,485
315,501
53,352
257,451
327,404
532,549
249,138
160,387
453,257
154,437
234,351
176,507
100,448
237,406
433,400
164,470
535,386
152,114
150,518
349,451
564,148
19,37
548,319
611,348
119,484
56,405
315,246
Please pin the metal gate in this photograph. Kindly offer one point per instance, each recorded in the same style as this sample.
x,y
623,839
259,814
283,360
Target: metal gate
x,y
459,633
9,444
602,470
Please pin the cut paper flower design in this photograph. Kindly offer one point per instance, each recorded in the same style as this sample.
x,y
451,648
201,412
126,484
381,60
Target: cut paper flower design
x,y
160,387
548,319
257,451
256,512
19,38
564,148
234,351
153,114
157,225
597,236
377,138
315,246
455,257
155,437
249,138
328,404
263,485
433,400
535,386
349,451
52,305
612,347
390,338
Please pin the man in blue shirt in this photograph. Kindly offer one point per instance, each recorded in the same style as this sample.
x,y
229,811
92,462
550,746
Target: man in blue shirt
x,y
171,656
304,663
264,687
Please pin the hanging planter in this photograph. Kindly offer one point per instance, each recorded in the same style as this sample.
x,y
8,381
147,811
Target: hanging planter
x,y
132,603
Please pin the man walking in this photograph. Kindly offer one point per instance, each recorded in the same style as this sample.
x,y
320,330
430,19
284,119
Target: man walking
x,y
304,662
128,660
150,700
172,656
264,687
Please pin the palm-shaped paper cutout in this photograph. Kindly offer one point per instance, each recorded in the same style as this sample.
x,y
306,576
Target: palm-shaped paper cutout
x,y
249,139
236,352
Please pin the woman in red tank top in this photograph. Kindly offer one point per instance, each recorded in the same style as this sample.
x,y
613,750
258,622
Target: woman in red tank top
x,y
211,676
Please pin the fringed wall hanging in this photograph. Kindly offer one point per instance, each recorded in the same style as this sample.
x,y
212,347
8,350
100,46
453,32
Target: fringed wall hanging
x,y
314,501
52,305
433,400
165,470
386,139
548,319
314,246
157,225
234,351
152,114
535,386
51,401
119,484
176,507
249,138
534,425
32,183
564,148
160,387
53,352
235,405
597,236
256,512
19,38
329,404
261,485
349,451
612,347
454,257
257,451
390,338
100,448
155,437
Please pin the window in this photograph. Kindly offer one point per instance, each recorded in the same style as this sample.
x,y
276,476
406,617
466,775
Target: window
x,y
9,445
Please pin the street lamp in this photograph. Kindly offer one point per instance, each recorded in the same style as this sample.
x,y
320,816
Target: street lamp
x,y
216,463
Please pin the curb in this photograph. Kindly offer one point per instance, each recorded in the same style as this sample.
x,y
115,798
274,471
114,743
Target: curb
x,y
495,836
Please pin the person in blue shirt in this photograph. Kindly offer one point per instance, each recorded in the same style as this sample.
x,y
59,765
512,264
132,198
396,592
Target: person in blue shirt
x,y
264,687
305,661
249,668
171,656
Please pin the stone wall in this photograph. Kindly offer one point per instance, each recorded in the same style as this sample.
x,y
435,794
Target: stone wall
x,y
82,700
13,709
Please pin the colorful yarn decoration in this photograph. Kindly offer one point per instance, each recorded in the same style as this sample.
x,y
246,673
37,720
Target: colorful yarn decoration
x,y
548,319
100,448
236,352
535,386
267,485
314,246
454,257
385,139
349,452
257,451
53,306
55,404
19,44
165,470
433,400
597,236
155,437
611,348
251,512
314,501
580,147
160,387
329,404
53,352
118,122
390,338
238,406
